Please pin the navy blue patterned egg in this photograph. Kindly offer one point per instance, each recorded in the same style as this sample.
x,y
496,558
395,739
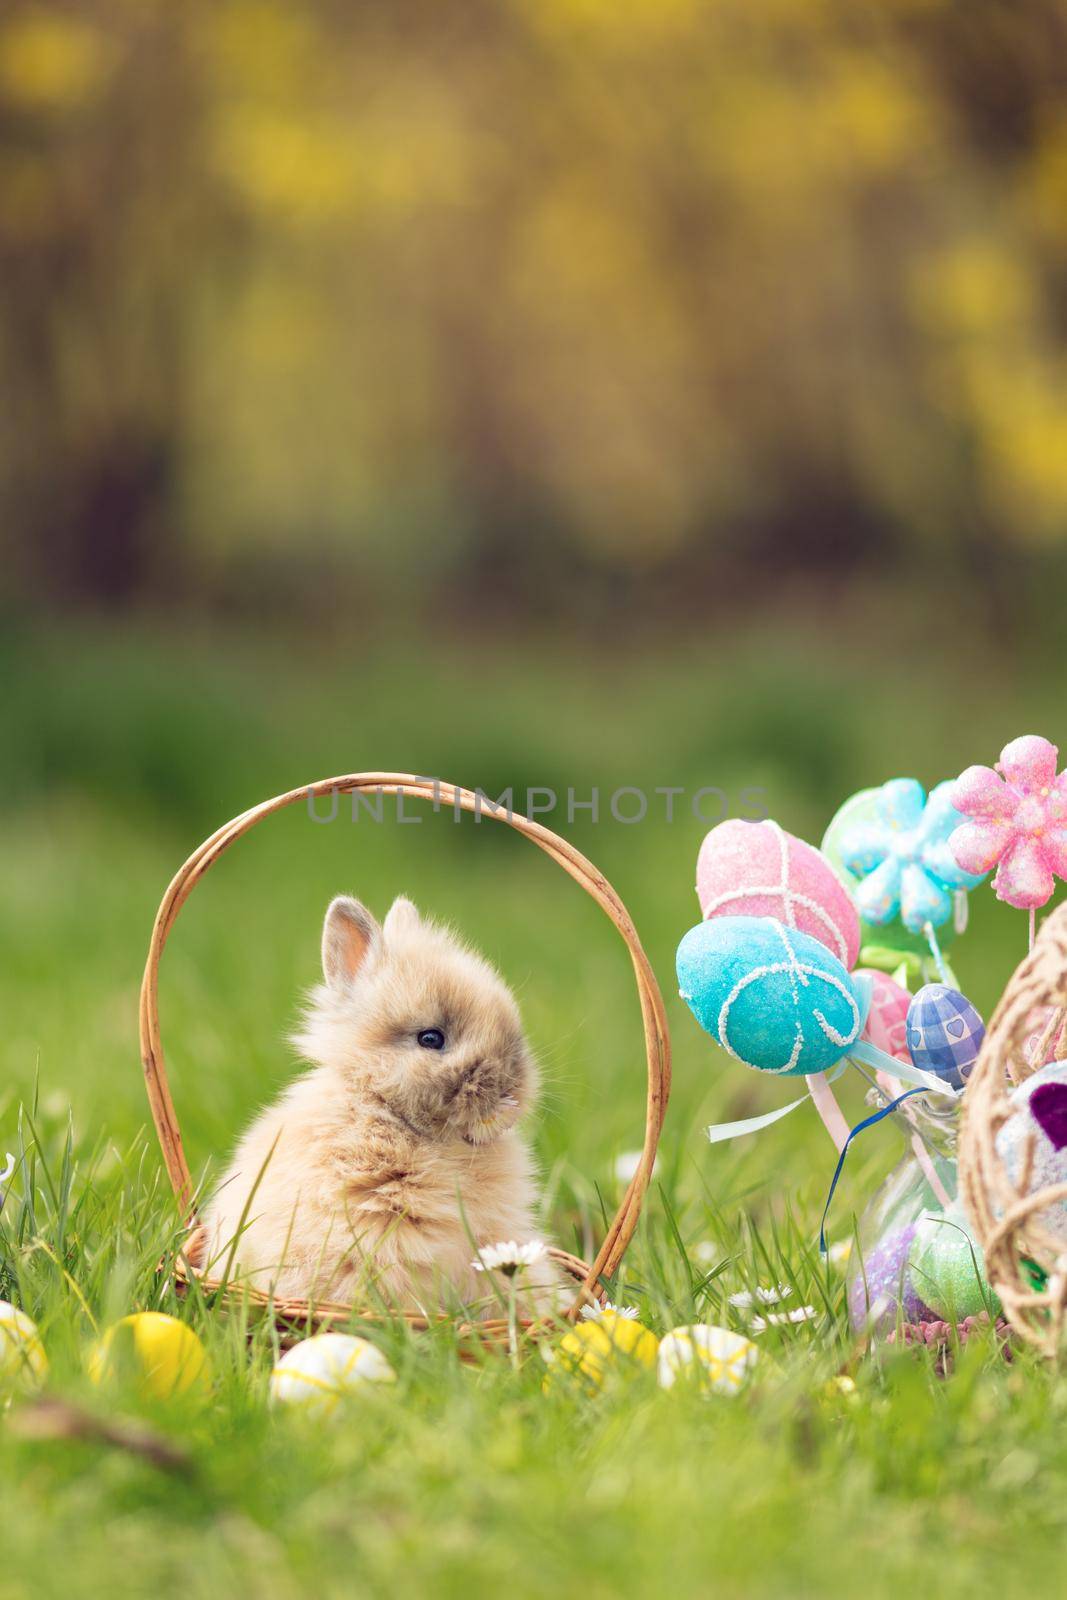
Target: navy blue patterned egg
x,y
945,1033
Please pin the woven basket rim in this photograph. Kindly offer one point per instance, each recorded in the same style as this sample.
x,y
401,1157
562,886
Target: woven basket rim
x,y
293,1317
1002,1212
653,1014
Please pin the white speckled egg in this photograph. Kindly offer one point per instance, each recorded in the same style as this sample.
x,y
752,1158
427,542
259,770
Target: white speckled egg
x,y
318,1373
23,1363
1041,1110
714,1360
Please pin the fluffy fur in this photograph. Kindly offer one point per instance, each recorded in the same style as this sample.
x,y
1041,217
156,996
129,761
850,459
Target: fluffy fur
x,y
373,1172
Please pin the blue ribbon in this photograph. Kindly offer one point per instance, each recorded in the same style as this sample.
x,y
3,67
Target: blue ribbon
x,y
868,1122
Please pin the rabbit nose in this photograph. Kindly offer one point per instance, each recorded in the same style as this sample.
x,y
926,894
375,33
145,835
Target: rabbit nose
x,y
464,1079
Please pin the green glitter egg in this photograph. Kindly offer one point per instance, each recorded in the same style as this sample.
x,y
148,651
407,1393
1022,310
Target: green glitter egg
x,y
948,1268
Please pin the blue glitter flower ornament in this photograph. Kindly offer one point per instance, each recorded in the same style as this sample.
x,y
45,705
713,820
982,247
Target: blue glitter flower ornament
x,y
902,858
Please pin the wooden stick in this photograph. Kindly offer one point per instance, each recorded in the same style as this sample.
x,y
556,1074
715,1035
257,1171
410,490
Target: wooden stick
x,y
826,1105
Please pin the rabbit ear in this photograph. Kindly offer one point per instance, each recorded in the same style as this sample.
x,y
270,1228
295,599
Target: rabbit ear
x,y
350,935
402,917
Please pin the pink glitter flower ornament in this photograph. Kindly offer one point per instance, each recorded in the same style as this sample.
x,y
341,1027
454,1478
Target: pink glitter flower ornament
x,y
1017,822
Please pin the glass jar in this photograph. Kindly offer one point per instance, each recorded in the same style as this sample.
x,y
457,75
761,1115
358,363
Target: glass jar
x,y
881,1292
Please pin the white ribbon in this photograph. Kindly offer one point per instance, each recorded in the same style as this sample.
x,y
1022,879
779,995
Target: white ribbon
x,y
904,1070
719,1132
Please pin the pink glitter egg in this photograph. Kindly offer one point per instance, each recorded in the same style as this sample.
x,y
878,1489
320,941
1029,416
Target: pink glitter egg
x,y
756,869
888,1017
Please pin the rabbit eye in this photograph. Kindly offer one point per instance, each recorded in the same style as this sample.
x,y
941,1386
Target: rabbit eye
x,y
431,1039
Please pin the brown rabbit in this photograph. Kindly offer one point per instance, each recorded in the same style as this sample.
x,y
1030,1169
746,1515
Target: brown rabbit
x,y
378,1172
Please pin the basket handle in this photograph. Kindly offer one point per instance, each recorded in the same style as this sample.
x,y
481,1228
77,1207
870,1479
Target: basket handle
x,y
657,1039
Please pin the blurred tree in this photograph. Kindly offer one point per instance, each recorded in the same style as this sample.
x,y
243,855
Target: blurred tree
x,y
317,302
97,115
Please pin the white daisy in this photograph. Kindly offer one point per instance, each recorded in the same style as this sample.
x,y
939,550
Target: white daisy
x,y
509,1257
766,1297
705,1252
838,1254
591,1313
775,1319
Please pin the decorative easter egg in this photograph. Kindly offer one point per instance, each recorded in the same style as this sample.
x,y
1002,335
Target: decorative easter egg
x,y
23,1363
712,1360
163,1356
945,1033
948,1267
886,1026
882,1289
864,810
593,1354
775,999
756,869
838,1391
1040,1115
320,1372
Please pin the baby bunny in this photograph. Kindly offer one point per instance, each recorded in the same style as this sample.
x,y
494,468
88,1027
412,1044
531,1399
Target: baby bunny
x,y
378,1173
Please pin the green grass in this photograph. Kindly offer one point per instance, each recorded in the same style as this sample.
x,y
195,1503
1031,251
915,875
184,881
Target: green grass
x,y
122,751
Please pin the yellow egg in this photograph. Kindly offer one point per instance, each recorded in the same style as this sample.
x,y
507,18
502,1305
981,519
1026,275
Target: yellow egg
x,y
318,1373
595,1352
23,1363
840,1389
161,1354
713,1360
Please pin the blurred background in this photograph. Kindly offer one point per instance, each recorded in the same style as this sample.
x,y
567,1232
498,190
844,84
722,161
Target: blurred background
x,y
555,304
666,392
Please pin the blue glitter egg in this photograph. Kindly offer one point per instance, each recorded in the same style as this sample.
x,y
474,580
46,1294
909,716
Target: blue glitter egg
x,y
775,999
944,1033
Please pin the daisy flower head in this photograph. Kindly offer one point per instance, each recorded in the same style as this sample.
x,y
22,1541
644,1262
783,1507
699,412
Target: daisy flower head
x,y
509,1257
779,1319
593,1313
764,1296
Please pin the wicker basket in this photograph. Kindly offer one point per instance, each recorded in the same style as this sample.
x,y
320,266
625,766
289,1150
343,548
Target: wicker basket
x,y
296,1317
1004,1215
